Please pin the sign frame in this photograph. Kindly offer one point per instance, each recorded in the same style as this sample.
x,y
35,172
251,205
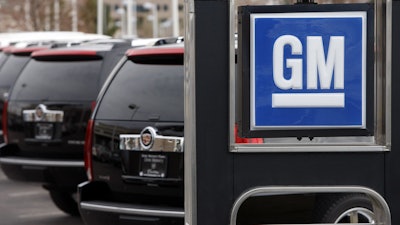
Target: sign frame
x,y
245,75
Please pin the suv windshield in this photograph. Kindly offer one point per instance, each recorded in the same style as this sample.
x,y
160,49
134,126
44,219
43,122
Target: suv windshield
x,y
58,80
144,92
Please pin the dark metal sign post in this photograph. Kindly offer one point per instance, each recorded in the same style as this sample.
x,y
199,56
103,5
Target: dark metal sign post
x,y
290,114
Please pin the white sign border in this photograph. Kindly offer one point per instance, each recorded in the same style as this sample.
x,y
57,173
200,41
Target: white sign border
x,y
344,14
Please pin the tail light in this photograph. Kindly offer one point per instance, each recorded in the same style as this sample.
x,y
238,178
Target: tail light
x,y
92,106
246,140
4,121
88,149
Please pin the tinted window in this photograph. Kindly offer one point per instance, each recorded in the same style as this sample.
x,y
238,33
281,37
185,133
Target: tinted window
x,y
3,58
58,80
11,68
144,92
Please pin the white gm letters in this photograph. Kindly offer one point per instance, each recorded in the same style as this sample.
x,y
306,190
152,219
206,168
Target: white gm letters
x,y
318,69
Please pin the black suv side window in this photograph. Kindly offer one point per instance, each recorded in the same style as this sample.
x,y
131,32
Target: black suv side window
x,y
160,100
49,83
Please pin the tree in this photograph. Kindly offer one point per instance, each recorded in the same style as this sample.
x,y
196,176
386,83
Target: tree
x,y
88,16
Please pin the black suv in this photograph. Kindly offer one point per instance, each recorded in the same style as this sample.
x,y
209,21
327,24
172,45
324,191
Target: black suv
x,y
12,61
134,142
45,117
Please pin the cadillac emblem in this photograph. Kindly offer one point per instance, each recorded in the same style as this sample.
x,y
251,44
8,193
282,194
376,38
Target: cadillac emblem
x,y
147,137
39,112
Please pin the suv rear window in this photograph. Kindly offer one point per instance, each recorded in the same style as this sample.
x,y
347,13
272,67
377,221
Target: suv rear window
x,y
144,92
3,58
10,70
58,80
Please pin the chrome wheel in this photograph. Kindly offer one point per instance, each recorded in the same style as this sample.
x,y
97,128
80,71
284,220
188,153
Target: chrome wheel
x,y
357,215
347,208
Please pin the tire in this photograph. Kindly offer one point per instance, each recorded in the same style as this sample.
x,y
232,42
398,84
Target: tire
x,y
354,208
65,202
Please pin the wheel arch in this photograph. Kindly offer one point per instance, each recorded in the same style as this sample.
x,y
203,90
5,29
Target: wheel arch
x,y
379,205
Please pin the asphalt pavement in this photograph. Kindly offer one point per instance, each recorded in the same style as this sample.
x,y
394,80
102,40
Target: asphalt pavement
x,y
29,204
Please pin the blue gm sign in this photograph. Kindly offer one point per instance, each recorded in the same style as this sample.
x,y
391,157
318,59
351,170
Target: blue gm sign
x,y
308,70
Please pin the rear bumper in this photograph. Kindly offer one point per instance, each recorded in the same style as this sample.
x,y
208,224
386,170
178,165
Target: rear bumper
x,y
105,212
61,173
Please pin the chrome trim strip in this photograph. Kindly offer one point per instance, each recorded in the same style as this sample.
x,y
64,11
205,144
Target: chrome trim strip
x,y
190,192
161,143
33,162
130,209
388,71
382,90
41,113
232,73
249,148
381,208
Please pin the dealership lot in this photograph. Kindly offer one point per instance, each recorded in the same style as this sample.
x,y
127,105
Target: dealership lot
x,y
29,204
